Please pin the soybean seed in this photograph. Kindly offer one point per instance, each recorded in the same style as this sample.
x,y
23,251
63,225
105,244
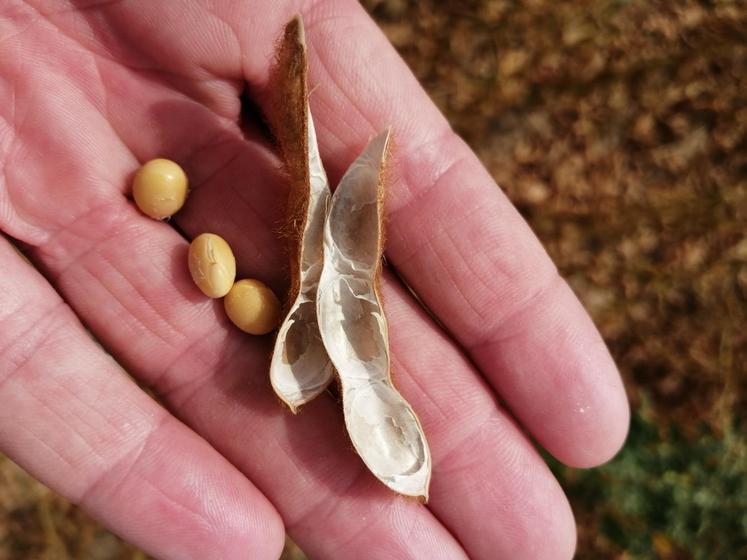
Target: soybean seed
x,y
160,188
212,264
252,307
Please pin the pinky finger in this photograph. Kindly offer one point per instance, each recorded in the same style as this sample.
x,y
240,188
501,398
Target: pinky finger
x,y
74,420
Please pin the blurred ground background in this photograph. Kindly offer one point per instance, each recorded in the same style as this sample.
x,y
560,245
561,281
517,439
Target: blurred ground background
x,y
619,128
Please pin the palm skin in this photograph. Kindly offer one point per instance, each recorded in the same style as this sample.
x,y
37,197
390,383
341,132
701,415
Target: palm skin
x,y
90,90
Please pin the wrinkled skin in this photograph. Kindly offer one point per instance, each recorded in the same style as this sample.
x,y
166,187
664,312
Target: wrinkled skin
x,y
88,91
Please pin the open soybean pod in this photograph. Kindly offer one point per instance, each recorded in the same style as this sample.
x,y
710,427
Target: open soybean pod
x,y
384,430
300,368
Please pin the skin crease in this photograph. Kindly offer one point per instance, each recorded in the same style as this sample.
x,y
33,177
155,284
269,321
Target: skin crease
x,y
128,88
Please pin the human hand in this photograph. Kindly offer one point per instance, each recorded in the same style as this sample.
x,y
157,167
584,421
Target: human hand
x,y
88,91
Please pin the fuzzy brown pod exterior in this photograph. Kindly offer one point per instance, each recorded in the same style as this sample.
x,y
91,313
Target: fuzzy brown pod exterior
x,y
300,368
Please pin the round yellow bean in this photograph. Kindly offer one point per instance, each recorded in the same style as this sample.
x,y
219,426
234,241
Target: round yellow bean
x,y
160,188
212,264
252,307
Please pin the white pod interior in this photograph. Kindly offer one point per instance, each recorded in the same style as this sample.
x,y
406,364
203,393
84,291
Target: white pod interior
x,y
300,368
384,429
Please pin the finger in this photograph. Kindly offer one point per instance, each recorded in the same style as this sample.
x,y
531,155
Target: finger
x,y
489,486
72,418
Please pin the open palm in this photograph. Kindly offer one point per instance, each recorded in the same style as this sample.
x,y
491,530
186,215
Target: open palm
x,y
90,90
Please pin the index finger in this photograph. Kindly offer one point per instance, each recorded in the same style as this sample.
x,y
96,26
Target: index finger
x,y
460,244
